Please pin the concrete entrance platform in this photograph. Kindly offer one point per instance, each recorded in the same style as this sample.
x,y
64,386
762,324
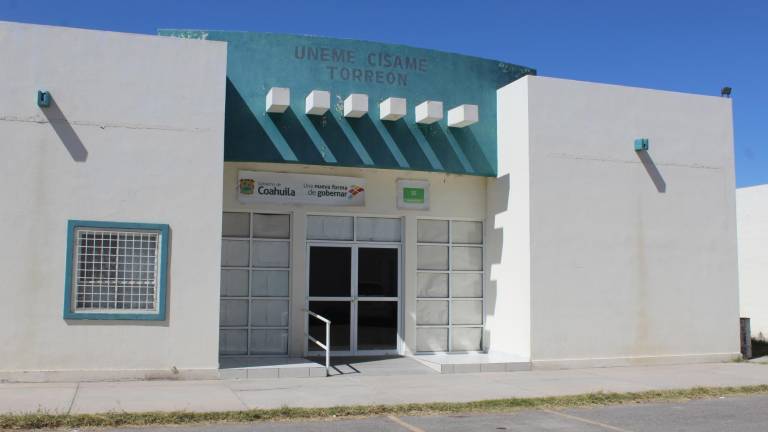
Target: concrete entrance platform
x,y
294,367
281,367
473,363
269,367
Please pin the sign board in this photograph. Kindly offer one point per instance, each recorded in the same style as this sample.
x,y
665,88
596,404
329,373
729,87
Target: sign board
x,y
256,62
413,194
284,188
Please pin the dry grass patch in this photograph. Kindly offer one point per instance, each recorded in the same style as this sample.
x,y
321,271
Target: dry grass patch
x,y
114,419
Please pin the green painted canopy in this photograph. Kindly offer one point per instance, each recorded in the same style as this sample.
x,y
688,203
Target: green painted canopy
x,y
257,62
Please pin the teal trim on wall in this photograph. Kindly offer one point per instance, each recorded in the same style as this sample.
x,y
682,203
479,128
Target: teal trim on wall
x,y
257,62
160,315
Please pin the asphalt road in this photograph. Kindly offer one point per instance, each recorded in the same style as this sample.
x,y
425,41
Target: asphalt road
x,y
742,414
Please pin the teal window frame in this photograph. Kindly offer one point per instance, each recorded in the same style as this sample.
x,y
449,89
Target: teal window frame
x,y
71,314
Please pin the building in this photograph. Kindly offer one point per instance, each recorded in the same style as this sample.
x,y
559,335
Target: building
x,y
752,212
181,200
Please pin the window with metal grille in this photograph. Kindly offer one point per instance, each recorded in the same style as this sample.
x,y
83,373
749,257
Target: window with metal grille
x,y
116,270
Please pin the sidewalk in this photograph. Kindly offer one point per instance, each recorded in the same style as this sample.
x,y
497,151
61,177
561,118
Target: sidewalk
x,y
225,395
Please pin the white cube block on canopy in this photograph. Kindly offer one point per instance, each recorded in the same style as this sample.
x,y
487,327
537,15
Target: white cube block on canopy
x,y
278,99
462,116
392,109
429,112
318,102
356,105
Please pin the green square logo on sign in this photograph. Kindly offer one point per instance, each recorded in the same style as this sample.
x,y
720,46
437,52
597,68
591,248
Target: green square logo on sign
x,y
413,194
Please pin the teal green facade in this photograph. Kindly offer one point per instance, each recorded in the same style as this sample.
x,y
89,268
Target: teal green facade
x,y
257,62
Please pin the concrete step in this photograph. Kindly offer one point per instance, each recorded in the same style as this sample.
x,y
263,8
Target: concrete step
x,y
473,363
269,367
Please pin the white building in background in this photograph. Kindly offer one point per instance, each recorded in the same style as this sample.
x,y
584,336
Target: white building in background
x,y
177,203
752,211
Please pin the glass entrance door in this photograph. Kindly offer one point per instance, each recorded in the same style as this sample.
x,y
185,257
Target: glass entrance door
x,y
357,287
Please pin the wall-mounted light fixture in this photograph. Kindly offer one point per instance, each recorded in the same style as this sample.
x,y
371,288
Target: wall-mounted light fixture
x,y
641,144
43,98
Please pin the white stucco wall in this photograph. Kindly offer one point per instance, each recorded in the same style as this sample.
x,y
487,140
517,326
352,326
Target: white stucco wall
x,y
451,197
135,135
752,224
633,256
508,235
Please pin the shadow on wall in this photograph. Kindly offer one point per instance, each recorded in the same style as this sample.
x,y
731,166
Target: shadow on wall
x,y
653,171
64,130
242,128
440,145
373,142
297,138
469,145
408,145
252,135
497,204
330,131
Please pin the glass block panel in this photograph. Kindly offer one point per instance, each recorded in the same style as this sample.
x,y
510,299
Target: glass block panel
x,y
233,342
330,227
269,283
432,231
432,285
431,339
431,312
467,232
467,258
378,229
269,313
234,283
269,341
235,225
467,285
467,312
234,253
271,254
233,313
432,257
275,226
466,339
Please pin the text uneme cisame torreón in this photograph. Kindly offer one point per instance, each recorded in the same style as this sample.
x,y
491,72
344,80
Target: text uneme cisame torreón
x,y
378,67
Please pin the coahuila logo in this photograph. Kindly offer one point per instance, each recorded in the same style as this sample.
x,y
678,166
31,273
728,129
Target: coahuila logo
x,y
267,188
246,186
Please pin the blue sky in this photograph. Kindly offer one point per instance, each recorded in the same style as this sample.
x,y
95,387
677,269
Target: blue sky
x,y
693,46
